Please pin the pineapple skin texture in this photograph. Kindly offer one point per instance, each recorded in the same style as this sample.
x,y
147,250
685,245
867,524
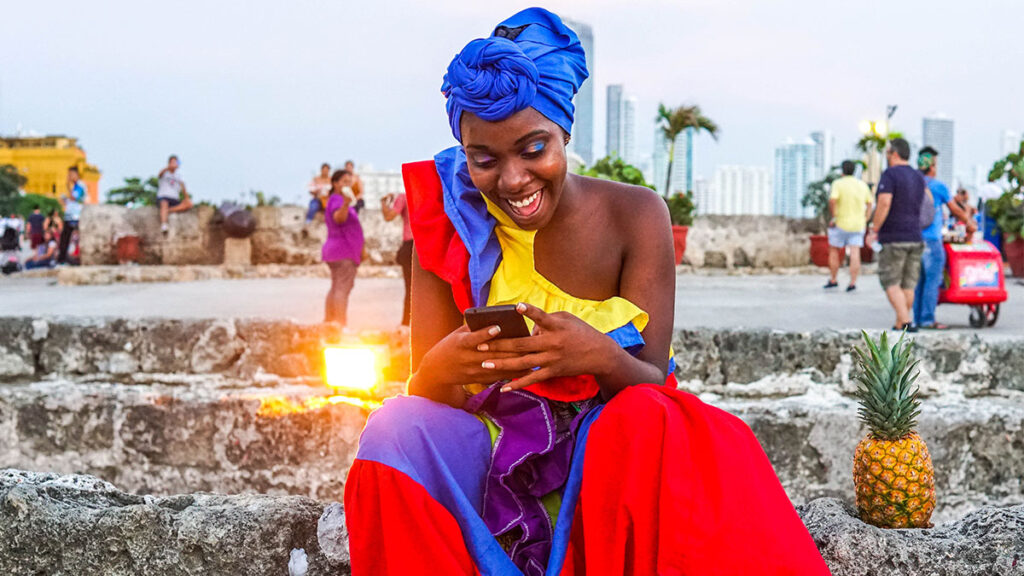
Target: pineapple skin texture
x,y
895,482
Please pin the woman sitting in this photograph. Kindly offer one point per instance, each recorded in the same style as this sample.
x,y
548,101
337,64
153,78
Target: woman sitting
x,y
45,255
569,451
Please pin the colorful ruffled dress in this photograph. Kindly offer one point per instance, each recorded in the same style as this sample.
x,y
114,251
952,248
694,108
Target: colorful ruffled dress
x,y
549,480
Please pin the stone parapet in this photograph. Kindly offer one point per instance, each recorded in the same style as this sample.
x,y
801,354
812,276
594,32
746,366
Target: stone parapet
x,y
282,237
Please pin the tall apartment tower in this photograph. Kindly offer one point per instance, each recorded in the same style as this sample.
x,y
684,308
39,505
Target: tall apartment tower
x,y
794,170
582,141
613,120
740,190
824,152
937,132
1009,142
682,165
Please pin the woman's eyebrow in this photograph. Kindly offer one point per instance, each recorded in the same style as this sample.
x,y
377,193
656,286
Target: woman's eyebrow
x,y
535,133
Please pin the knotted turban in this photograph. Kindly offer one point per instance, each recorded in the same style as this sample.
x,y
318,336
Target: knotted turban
x,y
531,60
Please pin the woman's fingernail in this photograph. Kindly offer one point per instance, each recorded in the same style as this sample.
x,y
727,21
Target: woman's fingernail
x,y
494,331
506,388
482,347
487,365
521,307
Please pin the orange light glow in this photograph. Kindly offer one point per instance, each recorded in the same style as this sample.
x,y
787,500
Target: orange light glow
x,y
277,406
352,369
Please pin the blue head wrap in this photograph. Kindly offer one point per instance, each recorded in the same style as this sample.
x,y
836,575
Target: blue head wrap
x,y
531,60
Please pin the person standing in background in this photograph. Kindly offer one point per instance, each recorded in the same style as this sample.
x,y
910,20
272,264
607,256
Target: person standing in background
x,y
393,206
357,185
343,248
72,211
170,192
933,259
36,227
850,204
319,190
897,226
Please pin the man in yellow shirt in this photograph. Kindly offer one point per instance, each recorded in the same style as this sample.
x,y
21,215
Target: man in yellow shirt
x,y
850,204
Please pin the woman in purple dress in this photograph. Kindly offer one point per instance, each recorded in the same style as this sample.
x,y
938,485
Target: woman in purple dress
x,y
344,245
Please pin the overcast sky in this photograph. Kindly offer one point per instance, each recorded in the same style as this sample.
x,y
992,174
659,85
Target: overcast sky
x,y
255,94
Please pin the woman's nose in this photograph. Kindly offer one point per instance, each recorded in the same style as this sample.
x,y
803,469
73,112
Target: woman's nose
x,y
513,177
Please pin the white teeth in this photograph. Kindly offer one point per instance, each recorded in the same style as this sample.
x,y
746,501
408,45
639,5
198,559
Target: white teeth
x,y
525,201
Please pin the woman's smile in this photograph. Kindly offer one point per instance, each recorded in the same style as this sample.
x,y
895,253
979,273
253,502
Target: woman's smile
x,y
523,208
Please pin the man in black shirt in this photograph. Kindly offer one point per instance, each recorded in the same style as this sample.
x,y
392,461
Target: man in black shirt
x,y
897,226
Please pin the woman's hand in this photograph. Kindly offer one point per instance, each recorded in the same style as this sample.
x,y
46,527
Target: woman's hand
x,y
561,345
457,359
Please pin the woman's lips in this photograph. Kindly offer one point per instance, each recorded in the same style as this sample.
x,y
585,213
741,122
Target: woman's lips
x,y
526,207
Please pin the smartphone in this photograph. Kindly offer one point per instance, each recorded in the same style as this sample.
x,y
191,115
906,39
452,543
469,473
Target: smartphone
x,y
512,323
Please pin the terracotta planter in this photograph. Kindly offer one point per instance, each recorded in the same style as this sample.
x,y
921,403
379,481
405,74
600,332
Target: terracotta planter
x,y
127,249
1015,256
866,253
679,240
819,250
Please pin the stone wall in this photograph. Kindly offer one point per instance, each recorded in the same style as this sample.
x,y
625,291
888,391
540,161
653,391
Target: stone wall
x,y
749,241
281,237
166,406
51,524
197,236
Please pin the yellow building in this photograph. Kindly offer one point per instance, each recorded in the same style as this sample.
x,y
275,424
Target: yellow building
x,y
44,161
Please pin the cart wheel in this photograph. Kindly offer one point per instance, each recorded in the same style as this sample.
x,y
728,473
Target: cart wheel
x,y
977,319
992,314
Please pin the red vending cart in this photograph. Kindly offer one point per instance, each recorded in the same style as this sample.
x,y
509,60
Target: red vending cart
x,y
974,276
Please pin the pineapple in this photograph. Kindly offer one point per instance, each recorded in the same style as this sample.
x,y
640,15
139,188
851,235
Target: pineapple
x,y
892,471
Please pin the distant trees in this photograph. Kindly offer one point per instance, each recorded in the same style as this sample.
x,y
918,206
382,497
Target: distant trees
x,y
617,169
673,121
134,193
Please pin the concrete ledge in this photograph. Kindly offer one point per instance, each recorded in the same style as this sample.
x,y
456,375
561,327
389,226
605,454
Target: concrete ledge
x,y
101,275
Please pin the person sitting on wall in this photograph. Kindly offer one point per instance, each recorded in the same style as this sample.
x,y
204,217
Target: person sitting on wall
x,y
45,255
170,193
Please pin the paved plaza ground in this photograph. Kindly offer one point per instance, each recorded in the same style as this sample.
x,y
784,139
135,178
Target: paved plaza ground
x,y
795,303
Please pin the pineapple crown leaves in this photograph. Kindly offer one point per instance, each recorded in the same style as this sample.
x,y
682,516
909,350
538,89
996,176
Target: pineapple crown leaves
x,y
887,388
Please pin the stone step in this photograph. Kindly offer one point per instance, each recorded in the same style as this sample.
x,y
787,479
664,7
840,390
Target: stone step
x,y
976,445
51,524
165,439
161,439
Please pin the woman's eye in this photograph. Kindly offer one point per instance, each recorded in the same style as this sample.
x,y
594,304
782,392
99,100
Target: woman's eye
x,y
483,161
534,150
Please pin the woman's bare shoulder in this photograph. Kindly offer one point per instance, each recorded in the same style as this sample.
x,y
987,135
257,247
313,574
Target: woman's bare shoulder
x,y
631,205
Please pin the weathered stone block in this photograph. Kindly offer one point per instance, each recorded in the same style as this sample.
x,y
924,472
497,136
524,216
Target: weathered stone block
x,y
237,252
53,524
985,543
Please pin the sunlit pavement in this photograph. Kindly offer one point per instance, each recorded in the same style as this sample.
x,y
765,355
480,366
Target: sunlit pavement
x,y
795,303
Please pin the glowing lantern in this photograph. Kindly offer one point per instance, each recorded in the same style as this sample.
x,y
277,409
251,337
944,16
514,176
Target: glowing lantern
x,y
353,369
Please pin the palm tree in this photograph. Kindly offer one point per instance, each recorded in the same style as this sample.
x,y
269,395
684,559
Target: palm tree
x,y
673,122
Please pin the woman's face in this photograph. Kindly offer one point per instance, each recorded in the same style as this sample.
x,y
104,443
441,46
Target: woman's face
x,y
518,163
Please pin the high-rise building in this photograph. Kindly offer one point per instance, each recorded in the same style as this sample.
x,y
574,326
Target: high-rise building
x,y
628,130
582,142
1009,143
937,132
682,164
701,194
740,190
613,120
794,168
824,150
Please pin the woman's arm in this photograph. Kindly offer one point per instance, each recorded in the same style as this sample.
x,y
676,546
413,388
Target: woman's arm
x,y
444,353
340,216
563,345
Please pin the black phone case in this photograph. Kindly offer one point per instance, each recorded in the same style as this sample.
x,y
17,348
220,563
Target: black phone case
x,y
511,322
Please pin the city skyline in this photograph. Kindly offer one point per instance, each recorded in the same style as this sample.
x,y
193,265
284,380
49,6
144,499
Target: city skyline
x,y
257,98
